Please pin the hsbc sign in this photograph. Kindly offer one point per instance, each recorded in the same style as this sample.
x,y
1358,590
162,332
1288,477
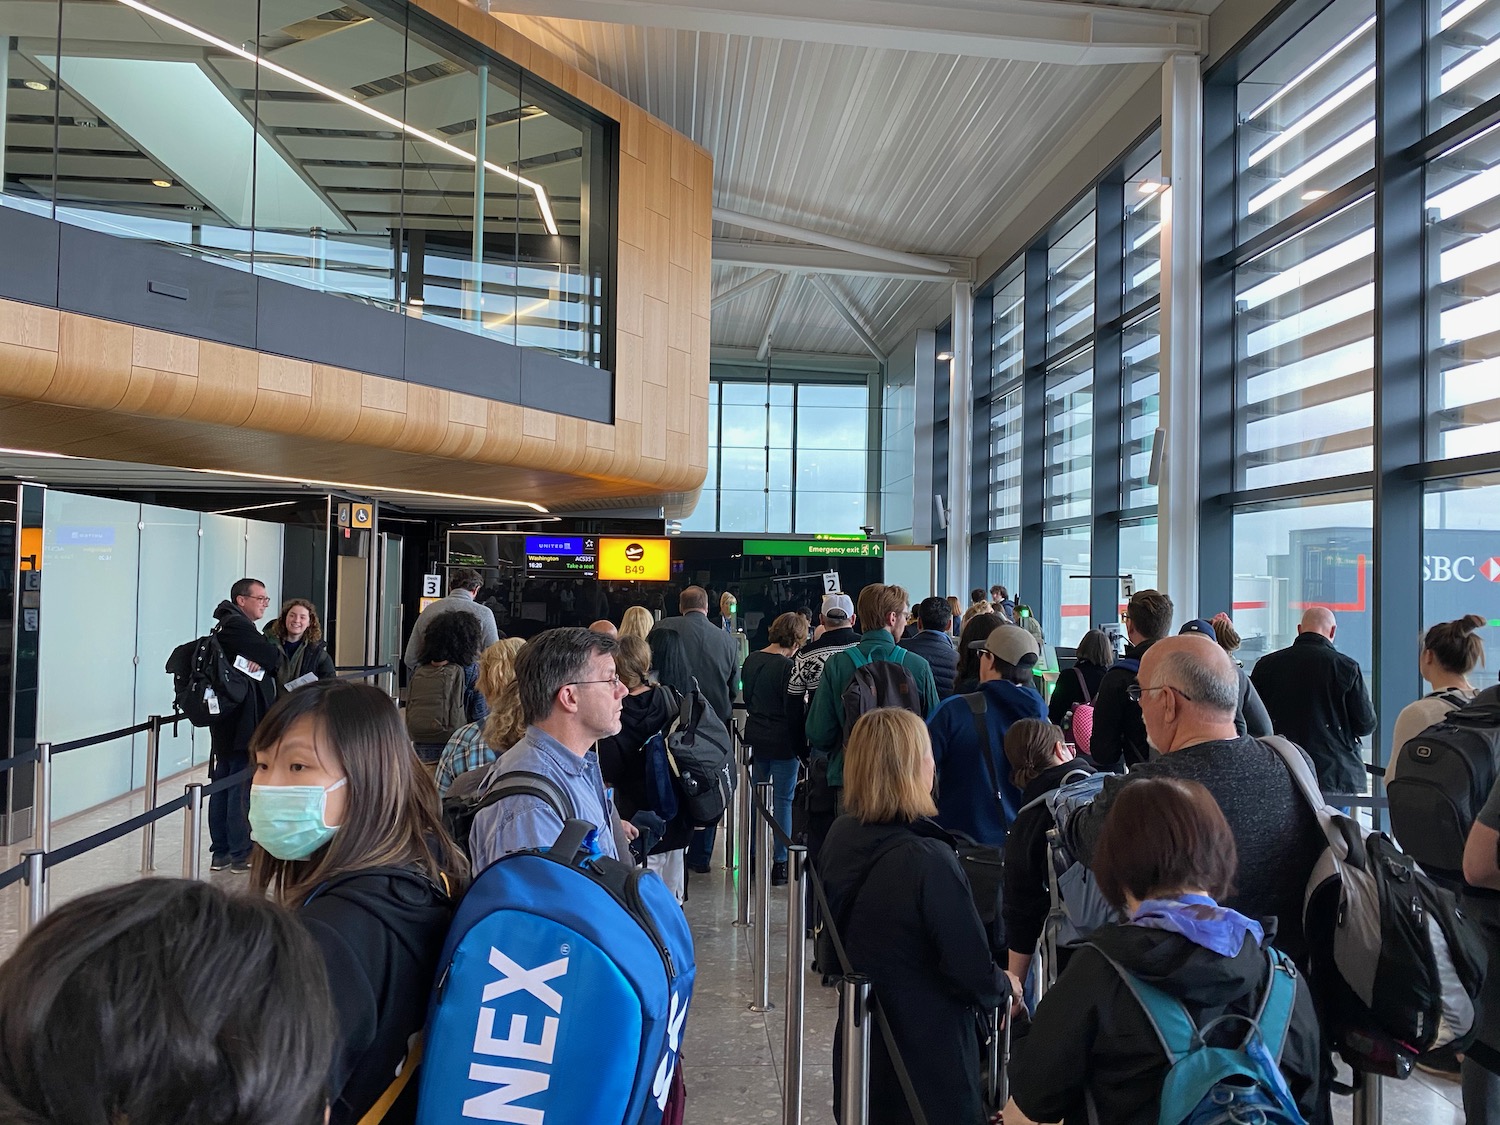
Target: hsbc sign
x,y
1460,568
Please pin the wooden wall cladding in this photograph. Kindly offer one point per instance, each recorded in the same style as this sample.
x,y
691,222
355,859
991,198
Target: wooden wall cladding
x,y
89,387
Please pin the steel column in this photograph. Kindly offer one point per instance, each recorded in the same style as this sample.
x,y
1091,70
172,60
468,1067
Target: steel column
x,y
153,765
960,439
1181,330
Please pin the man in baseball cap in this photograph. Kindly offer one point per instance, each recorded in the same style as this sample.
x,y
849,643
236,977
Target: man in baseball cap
x,y
976,794
838,611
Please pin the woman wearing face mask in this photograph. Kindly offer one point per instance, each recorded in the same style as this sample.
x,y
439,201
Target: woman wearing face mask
x,y
304,652
348,835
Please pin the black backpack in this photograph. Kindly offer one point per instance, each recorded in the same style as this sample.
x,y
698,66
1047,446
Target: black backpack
x,y
879,682
206,686
699,755
1441,781
1395,966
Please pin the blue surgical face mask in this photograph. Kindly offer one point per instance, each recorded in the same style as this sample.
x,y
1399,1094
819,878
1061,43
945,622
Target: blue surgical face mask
x,y
288,820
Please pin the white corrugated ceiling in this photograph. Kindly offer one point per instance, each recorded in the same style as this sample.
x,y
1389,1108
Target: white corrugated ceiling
x,y
904,150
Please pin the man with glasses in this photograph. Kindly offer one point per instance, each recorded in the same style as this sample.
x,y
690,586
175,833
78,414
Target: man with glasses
x,y
1188,690
257,656
570,698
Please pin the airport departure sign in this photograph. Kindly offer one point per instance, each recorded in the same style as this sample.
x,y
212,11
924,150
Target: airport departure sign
x,y
561,556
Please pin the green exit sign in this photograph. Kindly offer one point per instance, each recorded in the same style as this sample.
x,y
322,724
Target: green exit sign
x,y
816,548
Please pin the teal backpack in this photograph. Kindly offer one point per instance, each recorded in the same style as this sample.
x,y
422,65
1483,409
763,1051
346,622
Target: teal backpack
x,y
1223,1085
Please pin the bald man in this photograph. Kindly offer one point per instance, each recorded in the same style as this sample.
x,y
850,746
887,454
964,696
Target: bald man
x,y
605,628
1316,697
1188,690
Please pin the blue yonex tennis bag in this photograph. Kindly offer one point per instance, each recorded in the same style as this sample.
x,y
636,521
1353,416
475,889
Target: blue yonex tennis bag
x,y
561,994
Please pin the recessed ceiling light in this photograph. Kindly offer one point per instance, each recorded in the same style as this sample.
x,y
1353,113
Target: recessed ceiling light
x,y
1150,187
33,84
162,183
945,356
1314,193
416,301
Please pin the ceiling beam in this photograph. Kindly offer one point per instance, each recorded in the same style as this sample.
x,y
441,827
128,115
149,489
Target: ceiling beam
x,y
784,285
851,318
745,286
786,258
1043,31
818,238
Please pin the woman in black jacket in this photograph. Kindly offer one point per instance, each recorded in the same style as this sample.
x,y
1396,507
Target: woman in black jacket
x,y
1165,855
304,652
902,907
1080,683
1040,761
348,835
773,725
646,710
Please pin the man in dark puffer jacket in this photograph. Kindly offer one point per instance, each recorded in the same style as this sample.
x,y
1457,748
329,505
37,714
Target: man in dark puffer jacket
x,y
934,644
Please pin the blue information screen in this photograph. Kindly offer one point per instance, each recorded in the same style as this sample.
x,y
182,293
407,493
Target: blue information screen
x,y
561,556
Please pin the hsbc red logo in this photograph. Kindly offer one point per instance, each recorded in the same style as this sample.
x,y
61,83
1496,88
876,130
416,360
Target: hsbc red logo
x,y
1460,568
1490,568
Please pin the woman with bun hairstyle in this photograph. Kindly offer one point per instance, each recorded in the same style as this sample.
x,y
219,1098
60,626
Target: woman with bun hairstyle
x,y
348,836
1450,651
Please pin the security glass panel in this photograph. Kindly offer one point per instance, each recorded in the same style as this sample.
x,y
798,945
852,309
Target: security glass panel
x,y
1461,561
1464,50
1463,305
1289,557
1304,325
1070,285
1143,198
1004,563
1307,116
91,554
167,617
1068,437
1140,350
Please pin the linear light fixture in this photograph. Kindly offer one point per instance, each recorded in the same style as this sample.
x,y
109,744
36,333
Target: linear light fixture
x,y
370,488
276,68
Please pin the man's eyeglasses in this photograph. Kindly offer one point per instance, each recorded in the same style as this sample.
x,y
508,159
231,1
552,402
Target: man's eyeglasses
x,y
615,680
262,598
1135,691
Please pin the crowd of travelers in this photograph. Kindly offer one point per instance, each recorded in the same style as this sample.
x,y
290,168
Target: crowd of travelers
x,y
1187,803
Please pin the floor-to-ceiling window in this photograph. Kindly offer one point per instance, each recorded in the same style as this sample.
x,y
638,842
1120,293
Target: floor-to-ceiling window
x,y
787,453
1355,285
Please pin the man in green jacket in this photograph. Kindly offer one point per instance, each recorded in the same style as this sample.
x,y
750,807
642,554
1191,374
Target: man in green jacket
x,y
882,612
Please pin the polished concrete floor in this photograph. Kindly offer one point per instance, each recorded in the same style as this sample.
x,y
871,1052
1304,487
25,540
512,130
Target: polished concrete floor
x,y
733,1057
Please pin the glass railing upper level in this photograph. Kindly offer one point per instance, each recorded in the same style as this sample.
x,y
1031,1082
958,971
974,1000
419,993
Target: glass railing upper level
x,y
358,149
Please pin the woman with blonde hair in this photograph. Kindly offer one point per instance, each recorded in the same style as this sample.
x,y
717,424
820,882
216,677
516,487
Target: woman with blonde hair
x,y
637,622
902,908
477,744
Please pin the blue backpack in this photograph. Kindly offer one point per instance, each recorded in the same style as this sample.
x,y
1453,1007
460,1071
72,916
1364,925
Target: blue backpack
x,y
1223,1085
562,994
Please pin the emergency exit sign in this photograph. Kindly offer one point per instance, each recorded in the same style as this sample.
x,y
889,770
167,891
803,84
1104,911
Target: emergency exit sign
x,y
816,548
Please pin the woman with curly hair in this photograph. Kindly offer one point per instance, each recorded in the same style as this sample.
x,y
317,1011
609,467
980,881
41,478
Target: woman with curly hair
x,y
304,652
